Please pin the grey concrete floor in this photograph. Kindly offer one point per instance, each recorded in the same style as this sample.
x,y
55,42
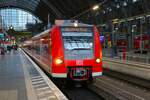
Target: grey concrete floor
x,y
12,82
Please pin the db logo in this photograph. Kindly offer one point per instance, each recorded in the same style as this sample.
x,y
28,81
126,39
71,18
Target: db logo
x,y
79,62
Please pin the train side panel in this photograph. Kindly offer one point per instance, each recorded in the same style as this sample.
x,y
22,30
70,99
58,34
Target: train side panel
x,y
141,43
97,67
58,70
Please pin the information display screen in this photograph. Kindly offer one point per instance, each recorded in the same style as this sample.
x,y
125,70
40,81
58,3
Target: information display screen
x,y
1,35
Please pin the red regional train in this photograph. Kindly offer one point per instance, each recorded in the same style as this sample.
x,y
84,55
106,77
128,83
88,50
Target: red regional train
x,y
69,50
122,42
141,43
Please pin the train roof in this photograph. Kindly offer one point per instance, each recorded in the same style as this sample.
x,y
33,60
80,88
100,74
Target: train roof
x,y
71,23
63,23
79,25
41,34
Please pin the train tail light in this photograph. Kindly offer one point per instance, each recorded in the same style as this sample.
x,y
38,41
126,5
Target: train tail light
x,y
58,61
98,60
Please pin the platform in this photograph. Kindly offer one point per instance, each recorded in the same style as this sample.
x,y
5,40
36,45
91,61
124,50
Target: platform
x,y
134,68
22,79
129,56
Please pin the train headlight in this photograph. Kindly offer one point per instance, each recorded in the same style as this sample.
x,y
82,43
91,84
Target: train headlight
x,y
58,61
98,60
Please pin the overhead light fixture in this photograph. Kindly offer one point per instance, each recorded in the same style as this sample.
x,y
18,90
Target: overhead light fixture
x,y
41,39
110,9
115,20
11,27
95,7
104,12
130,19
118,6
125,4
147,15
134,25
134,1
75,24
140,17
116,28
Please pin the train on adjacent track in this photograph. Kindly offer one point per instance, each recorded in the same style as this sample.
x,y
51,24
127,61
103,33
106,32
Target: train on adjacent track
x,y
141,43
68,50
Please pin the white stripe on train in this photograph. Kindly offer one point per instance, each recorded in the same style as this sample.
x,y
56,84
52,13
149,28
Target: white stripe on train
x,y
64,75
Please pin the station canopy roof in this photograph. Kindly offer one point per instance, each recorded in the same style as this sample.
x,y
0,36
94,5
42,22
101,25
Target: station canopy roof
x,y
57,9
65,9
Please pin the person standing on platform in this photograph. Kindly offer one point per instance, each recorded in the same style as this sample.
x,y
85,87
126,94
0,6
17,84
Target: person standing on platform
x,y
8,48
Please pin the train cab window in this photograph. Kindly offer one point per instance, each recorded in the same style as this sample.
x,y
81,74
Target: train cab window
x,y
78,44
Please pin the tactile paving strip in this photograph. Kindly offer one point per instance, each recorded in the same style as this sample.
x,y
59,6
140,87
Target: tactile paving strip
x,y
43,89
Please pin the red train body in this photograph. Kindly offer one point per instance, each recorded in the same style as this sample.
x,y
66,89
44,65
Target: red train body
x,y
122,42
141,43
66,51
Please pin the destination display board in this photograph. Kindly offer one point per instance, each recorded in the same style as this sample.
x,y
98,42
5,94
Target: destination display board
x,y
76,29
69,31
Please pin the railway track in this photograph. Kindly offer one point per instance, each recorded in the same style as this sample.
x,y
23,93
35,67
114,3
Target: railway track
x,y
128,78
138,74
80,93
111,88
122,86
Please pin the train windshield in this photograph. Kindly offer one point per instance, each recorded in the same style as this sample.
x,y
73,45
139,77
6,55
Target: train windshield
x,y
78,42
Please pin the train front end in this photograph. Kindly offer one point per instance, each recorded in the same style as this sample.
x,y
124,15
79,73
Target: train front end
x,y
79,55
